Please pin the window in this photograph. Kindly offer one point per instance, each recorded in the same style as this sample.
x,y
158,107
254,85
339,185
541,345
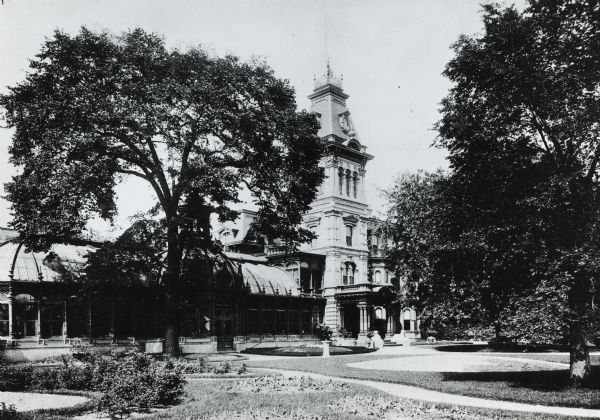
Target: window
x,y
378,276
349,231
313,230
354,183
374,244
341,180
3,319
348,272
348,182
253,321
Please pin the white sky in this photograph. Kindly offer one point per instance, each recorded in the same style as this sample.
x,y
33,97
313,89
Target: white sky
x,y
391,54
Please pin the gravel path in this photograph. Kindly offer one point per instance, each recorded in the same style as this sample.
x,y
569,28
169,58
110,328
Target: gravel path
x,y
26,401
420,394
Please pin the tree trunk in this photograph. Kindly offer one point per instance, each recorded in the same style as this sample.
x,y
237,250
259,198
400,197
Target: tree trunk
x,y
580,355
172,291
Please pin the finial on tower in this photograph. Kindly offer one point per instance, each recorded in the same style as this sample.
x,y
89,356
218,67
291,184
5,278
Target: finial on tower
x,y
328,78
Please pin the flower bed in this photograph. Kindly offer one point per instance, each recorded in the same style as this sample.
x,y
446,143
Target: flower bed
x,y
270,384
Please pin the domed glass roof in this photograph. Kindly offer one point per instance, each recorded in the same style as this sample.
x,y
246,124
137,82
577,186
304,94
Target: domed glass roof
x,y
62,262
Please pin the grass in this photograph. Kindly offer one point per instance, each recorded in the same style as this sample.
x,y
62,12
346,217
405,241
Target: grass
x,y
307,351
220,399
534,387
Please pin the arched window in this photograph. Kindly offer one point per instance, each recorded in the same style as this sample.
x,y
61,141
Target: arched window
x,y
341,180
353,145
378,276
348,182
354,183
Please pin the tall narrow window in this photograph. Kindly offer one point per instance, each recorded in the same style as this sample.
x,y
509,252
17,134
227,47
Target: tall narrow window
x,y
354,183
349,231
378,276
348,182
341,180
348,273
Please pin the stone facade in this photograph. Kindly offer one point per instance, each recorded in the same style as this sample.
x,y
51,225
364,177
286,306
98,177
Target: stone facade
x,y
360,292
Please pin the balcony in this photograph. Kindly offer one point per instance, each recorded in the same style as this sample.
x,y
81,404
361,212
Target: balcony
x,y
356,288
377,252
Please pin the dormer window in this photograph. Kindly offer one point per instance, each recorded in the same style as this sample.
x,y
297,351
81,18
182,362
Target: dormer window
x,y
354,145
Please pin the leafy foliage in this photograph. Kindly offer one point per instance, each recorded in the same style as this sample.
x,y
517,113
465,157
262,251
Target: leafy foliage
x,y
132,381
136,257
96,108
522,204
324,332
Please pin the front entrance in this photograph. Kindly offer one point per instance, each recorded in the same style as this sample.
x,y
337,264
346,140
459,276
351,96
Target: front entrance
x,y
351,320
26,316
223,327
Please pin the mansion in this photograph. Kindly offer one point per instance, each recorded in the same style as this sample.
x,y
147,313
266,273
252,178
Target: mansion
x,y
345,265
256,294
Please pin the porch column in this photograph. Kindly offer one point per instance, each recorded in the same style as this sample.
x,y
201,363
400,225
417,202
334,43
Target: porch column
x,y
11,301
38,322
401,319
111,321
64,326
236,320
362,309
89,319
340,309
390,321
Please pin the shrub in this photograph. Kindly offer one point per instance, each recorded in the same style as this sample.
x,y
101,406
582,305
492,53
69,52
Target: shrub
x,y
243,369
83,352
76,377
15,377
323,331
225,367
8,412
200,365
131,381
45,379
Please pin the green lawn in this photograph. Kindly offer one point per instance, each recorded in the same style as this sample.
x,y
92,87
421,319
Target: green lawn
x,y
224,400
535,387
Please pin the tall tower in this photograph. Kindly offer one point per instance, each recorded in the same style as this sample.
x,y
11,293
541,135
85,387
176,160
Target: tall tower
x,y
339,214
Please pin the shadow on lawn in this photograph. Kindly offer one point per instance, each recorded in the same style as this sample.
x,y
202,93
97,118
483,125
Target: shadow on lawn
x,y
556,380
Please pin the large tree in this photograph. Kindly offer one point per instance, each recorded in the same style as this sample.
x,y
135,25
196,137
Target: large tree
x,y
521,124
440,267
96,108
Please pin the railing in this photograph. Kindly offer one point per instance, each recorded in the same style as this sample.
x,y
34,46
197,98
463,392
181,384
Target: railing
x,y
356,288
377,252
275,249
